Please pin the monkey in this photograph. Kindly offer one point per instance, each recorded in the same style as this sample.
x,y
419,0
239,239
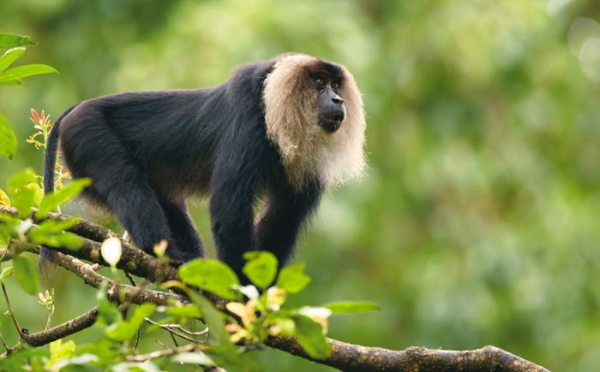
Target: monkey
x,y
282,131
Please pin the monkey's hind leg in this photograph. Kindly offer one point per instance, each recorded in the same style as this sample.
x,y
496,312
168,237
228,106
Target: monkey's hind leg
x,y
140,213
119,180
186,241
124,189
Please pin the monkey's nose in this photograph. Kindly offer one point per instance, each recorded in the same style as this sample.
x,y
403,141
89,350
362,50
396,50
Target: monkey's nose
x,y
337,100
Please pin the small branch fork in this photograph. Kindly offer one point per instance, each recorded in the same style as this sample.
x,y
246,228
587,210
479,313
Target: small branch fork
x,y
344,356
179,331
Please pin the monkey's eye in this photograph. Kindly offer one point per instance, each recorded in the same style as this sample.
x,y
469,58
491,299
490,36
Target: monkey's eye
x,y
335,86
319,82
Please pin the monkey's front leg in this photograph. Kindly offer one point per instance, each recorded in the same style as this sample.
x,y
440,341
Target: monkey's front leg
x,y
285,213
231,221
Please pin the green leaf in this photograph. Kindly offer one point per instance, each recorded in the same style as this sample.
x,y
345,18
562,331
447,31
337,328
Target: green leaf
x,y
121,331
141,312
125,330
22,197
20,179
69,240
261,268
60,197
310,336
286,325
107,351
30,357
78,363
60,351
211,275
12,82
24,71
292,279
26,274
9,57
8,228
52,226
197,357
38,193
8,140
184,311
224,349
63,239
51,233
6,272
212,317
107,311
8,40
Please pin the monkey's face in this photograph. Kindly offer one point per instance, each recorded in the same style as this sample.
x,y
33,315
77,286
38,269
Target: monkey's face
x,y
314,115
332,110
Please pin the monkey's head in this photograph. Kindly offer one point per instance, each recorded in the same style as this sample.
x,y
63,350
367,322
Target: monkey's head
x,y
328,80
314,115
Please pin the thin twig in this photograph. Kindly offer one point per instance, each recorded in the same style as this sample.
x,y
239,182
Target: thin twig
x,y
165,346
171,329
174,339
8,348
167,352
181,328
11,312
137,339
165,362
131,278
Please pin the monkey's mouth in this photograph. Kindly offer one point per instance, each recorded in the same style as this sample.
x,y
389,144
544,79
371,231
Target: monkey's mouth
x,y
331,122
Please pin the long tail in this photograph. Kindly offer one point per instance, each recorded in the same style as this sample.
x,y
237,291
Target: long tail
x,y
49,255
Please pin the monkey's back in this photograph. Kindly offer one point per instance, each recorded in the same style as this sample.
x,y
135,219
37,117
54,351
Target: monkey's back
x,y
166,137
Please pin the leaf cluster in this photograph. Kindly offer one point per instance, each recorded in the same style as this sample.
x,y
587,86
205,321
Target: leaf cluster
x,y
13,76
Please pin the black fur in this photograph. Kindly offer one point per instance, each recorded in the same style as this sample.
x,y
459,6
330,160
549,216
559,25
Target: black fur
x,y
146,152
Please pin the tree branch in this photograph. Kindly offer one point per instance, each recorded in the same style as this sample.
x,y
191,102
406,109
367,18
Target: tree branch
x,y
133,260
75,325
355,358
344,356
117,292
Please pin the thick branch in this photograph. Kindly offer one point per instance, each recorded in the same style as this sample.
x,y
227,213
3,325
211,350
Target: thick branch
x,y
117,292
134,260
80,323
344,356
355,358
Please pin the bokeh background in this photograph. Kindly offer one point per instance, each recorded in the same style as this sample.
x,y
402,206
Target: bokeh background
x,y
478,220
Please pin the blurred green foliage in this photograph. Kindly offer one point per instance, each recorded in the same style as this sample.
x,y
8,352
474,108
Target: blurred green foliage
x,y
478,220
